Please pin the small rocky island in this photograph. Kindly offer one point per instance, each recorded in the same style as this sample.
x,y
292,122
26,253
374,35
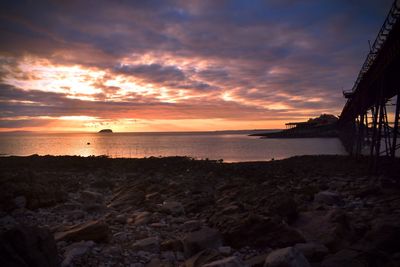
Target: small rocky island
x,y
106,131
320,127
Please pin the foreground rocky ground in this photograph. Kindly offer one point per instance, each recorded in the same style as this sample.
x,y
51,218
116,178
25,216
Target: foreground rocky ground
x,y
303,211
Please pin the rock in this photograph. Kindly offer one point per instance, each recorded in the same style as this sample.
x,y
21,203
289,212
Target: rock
x,y
28,246
286,257
172,244
173,207
329,198
74,250
256,261
153,197
230,209
225,250
121,218
75,214
314,252
150,244
141,218
331,228
226,262
202,239
7,222
97,231
168,255
94,207
355,258
259,231
384,235
191,225
158,225
127,197
91,197
20,202
201,258
285,206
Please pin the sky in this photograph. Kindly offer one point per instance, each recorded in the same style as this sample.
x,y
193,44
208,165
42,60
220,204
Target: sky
x,y
133,66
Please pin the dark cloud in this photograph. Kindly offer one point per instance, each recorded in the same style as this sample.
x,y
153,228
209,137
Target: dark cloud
x,y
261,52
154,72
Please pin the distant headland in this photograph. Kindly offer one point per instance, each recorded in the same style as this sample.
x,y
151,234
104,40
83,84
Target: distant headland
x,y
106,131
322,126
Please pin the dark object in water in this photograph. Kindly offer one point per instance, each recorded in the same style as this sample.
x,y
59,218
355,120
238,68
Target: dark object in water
x,y
106,131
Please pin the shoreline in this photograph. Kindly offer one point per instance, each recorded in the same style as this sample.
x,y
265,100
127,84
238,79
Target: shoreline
x,y
177,211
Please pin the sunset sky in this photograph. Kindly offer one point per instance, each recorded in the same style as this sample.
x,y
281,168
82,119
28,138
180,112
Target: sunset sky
x,y
179,65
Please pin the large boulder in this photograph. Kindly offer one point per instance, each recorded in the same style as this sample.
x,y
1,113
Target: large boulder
x,y
284,206
384,235
332,228
97,231
286,257
202,239
259,231
127,197
28,246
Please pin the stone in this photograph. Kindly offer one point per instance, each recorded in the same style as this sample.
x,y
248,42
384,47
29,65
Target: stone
x,y
286,257
202,239
201,258
314,252
173,207
94,207
75,214
141,218
384,235
284,206
20,202
172,244
28,246
75,250
226,262
127,197
329,198
168,255
91,197
258,231
97,231
346,258
225,250
121,218
151,244
256,261
191,225
331,228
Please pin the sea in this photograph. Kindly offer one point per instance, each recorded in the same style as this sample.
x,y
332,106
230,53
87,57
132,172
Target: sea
x,y
230,146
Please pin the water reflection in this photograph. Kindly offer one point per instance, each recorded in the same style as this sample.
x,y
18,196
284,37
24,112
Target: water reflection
x,y
230,147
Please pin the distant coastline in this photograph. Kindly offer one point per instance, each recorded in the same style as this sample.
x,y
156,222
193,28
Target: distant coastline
x,y
324,126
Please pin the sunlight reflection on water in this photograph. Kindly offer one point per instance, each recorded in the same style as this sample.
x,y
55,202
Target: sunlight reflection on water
x,y
230,147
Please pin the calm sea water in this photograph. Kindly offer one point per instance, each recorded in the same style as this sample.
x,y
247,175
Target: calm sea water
x,y
229,147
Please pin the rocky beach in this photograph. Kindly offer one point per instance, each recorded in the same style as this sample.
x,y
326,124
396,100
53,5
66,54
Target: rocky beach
x,y
95,211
